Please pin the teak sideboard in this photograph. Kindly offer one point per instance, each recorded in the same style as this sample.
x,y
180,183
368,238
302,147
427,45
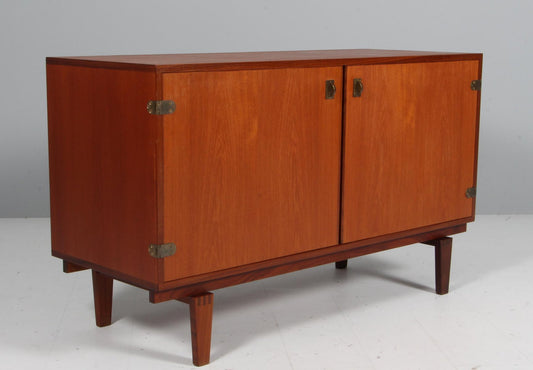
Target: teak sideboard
x,y
182,174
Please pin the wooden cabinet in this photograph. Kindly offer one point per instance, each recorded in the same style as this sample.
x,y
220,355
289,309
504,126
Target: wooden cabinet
x,y
182,174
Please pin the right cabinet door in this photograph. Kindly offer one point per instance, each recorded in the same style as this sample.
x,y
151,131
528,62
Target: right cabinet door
x,y
410,146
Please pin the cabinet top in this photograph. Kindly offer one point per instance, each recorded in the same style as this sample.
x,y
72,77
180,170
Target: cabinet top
x,y
258,60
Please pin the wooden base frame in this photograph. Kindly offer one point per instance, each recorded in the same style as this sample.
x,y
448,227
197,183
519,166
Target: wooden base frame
x,y
201,304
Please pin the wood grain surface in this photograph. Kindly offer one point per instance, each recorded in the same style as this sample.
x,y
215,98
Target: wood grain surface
x,y
102,155
251,166
256,60
251,159
410,147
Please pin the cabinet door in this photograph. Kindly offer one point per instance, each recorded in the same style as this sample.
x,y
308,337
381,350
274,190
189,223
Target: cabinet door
x,y
410,147
251,166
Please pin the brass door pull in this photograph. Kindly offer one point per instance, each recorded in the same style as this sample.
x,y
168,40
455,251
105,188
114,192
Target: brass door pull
x,y
357,87
330,89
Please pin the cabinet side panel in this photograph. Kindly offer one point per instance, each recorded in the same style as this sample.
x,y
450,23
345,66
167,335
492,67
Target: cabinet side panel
x,y
102,154
410,147
252,166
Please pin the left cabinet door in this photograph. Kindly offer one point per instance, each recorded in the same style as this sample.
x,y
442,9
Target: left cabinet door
x,y
251,166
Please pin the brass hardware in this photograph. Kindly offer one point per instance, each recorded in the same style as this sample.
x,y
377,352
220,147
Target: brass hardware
x,y
162,250
471,192
161,107
357,87
330,89
475,85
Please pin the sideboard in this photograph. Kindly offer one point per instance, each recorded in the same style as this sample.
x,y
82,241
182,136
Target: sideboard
x,y
182,174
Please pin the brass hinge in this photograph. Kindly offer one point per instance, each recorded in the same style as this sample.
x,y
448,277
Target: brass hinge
x,y
161,107
471,192
162,250
475,85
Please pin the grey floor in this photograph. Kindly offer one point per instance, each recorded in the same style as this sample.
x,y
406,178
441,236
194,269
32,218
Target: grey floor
x,y
380,313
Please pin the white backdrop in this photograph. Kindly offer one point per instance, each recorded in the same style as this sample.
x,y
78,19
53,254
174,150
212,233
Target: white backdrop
x,y
32,30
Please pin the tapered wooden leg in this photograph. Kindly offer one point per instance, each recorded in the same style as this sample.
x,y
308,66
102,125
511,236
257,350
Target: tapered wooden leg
x,y
103,298
341,264
201,310
443,259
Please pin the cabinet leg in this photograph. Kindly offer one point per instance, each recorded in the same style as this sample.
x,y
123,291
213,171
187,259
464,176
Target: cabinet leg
x,y
341,264
69,267
201,311
103,298
443,259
